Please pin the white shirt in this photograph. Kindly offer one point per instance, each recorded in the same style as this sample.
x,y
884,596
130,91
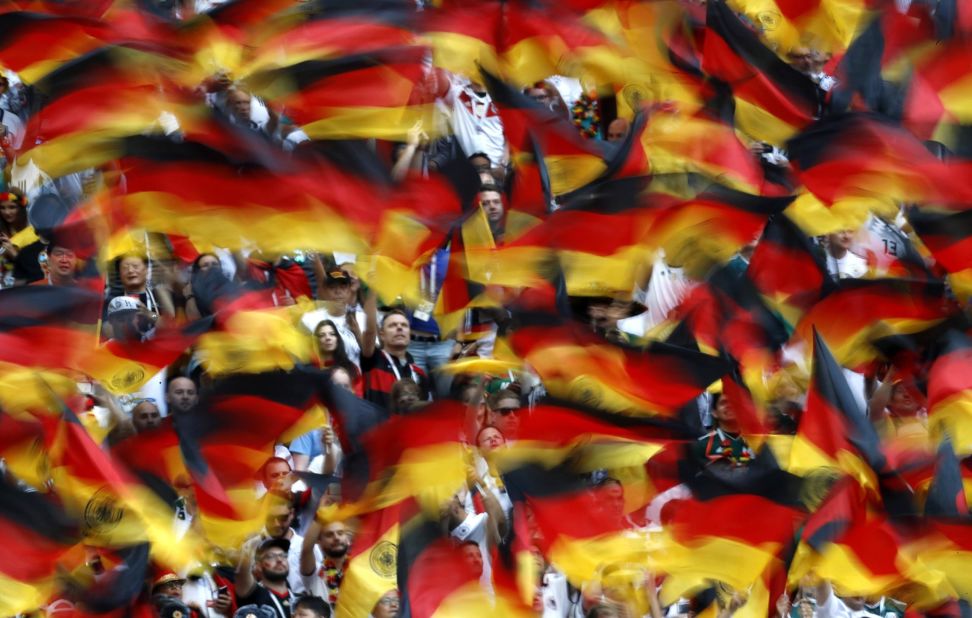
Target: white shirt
x,y
199,591
851,266
475,121
555,597
294,578
667,288
312,318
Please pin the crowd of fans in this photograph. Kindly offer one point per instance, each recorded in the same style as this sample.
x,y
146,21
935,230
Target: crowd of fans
x,y
397,357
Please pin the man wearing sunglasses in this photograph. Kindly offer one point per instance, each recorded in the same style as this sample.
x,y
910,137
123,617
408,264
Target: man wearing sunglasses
x,y
504,412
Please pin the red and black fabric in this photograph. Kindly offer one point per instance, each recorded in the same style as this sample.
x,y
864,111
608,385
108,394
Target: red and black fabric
x,y
430,568
734,54
787,266
946,496
37,532
842,155
947,235
381,370
48,326
833,420
727,313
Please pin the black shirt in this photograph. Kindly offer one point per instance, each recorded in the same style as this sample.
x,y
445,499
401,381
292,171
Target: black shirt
x,y
262,596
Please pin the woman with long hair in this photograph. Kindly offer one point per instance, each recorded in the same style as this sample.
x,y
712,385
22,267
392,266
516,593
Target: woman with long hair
x,y
332,354
13,220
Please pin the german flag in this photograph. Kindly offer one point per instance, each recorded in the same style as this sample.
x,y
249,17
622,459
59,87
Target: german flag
x,y
577,546
709,228
414,455
949,400
37,533
860,311
33,43
359,96
727,314
515,39
784,23
946,496
593,262
946,235
374,562
230,436
848,156
103,116
225,207
680,143
733,539
338,31
844,543
48,326
773,100
116,508
571,161
833,431
787,269
573,362
125,366
431,569
555,432
945,548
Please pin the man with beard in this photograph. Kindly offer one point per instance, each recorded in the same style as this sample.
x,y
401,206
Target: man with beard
x,y
334,540
280,517
262,579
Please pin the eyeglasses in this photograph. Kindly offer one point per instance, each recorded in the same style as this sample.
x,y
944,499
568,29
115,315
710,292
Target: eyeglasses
x,y
388,601
505,411
274,555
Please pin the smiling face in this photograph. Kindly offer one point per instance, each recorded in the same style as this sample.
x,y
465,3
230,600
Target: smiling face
x,y
724,415
133,272
62,262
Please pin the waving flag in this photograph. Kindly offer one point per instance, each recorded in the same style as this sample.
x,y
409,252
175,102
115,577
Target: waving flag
x,y
773,100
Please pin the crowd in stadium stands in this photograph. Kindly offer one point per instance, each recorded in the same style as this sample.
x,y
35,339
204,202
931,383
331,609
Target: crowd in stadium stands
x,y
394,356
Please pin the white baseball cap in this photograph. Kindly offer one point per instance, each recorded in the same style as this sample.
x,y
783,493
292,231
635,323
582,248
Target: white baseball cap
x,y
122,304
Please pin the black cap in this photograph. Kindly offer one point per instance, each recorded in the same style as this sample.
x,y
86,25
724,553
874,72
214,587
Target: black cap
x,y
283,544
336,275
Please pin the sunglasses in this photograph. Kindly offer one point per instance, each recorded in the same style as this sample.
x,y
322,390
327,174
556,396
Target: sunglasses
x,y
505,411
